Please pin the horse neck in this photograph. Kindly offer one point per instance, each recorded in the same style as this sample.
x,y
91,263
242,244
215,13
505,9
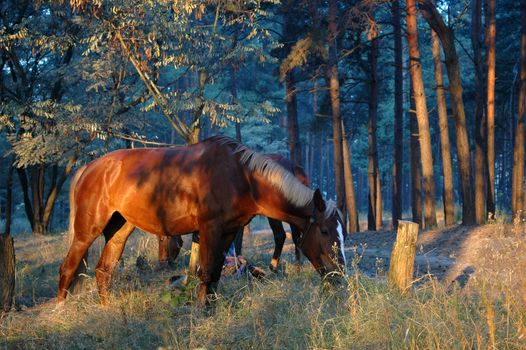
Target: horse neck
x,y
272,203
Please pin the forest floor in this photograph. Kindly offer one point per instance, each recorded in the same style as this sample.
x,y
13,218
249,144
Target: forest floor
x,y
469,294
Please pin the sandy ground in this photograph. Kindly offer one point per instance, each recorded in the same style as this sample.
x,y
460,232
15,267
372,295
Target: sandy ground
x,y
493,254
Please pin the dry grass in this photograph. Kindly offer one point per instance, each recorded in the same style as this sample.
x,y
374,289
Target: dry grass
x,y
282,312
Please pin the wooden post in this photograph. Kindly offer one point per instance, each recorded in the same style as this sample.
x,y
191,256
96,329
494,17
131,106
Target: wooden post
x,y
403,256
7,272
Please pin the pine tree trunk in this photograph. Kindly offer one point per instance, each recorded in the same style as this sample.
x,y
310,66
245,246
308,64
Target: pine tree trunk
x,y
292,119
354,225
479,132
398,117
416,180
9,197
374,215
435,21
447,169
422,117
490,109
334,93
517,202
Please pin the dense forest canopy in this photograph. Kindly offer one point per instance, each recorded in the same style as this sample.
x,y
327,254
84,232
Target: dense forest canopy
x,y
326,83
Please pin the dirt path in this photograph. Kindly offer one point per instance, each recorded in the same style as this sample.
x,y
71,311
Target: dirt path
x,y
494,254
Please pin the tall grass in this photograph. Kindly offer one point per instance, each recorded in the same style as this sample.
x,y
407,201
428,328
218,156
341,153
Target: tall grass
x,y
282,312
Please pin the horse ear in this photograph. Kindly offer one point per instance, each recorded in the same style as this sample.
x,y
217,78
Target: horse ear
x,y
319,202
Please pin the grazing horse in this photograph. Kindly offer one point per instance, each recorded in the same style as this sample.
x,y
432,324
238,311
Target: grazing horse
x,y
215,187
169,247
277,226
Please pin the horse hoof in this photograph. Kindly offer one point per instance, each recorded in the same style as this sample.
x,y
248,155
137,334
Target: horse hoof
x,y
273,268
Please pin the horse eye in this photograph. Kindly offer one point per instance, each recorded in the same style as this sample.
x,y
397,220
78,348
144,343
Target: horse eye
x,y
324,231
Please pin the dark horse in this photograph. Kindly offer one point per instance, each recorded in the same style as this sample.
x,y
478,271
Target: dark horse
x,y
169,247
215,187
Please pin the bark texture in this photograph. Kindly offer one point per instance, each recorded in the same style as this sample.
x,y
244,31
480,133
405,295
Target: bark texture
x,y
334,93
480,125
447,169
354,224
401,267
491,30
422,117
435,21
374,215
7,272
416,180
398,116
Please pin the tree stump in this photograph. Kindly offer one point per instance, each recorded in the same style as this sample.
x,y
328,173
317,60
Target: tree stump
x,y
7,272
401,267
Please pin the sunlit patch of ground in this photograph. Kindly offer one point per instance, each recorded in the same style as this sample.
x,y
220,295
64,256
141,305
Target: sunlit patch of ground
x,y
283,311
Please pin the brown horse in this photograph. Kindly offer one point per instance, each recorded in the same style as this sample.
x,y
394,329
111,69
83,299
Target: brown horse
x,y
215,187
169,246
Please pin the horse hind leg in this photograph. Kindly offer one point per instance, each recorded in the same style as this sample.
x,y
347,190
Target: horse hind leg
x,y
116,233
279,241
84,233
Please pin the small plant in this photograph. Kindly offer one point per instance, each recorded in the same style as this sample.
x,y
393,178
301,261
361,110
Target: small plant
x,y
182,295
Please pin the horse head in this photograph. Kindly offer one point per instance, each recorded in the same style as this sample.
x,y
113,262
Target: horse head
x,y
322,241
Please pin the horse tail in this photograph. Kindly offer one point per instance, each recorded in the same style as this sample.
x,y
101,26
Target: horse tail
x,y
72,202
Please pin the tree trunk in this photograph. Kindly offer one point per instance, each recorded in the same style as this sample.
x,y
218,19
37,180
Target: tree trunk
x,y
476,43
7,272
517,201
354,225
238,240
55,190
422,117
447,169
9,198
416,181
490,107
374,216
334,93
435,21
292,119
22,176
290,87
398,117
402,264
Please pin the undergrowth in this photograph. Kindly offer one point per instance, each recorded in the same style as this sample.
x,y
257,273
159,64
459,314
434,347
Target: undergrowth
x,y
291,311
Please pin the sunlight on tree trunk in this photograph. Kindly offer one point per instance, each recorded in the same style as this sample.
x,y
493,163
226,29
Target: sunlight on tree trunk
x,y
354,223
421,116
447,170
490,109
479,126
435,21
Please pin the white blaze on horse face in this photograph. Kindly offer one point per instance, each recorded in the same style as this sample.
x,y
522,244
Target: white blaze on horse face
x,y
342,246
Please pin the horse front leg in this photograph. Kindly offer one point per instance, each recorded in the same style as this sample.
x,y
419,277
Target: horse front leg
x,y
295,232
279,241
214,245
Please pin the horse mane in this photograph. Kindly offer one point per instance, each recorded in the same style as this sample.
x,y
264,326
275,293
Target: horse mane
x,y
283,180
331,209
